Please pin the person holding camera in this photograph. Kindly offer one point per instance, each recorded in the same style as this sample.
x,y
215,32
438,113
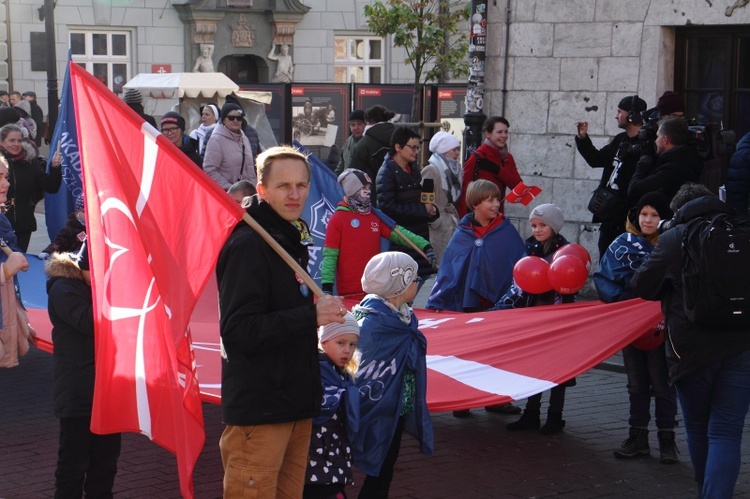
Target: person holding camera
x,y
675,164
618,160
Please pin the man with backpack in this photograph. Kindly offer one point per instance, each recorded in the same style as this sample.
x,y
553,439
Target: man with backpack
x,y
700,270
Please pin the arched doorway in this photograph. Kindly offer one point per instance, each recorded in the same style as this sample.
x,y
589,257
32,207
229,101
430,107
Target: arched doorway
x,y
244,69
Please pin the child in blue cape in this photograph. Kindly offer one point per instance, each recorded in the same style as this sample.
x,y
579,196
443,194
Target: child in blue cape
x,y
477,267
546,221
392,376
329,465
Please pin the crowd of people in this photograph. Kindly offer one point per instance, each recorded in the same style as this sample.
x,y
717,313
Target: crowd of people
x,y
311,389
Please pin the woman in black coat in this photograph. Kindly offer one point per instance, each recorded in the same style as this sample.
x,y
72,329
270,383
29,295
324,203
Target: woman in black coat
x,y
400,190
28,183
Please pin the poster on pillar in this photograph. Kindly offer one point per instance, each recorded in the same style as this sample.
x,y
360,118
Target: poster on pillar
x,y
446,104
319,118
397,98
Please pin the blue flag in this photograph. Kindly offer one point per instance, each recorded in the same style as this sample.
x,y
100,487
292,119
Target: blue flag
x,y
57,206
325,194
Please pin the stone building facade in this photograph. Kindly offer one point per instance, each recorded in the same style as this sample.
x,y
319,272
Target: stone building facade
x,y
575,60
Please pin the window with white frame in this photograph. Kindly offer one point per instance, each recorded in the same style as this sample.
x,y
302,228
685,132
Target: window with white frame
x,y
104,54
358,59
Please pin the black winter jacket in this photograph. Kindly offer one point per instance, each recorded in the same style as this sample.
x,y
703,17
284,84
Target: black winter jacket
x,y
268,324
738,177
605,157
369,153
28,183
672,168
399,195
70,237
72,317
689,347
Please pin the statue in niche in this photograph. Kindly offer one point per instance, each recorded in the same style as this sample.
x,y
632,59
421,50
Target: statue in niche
x,y
242,34
203,63
284,64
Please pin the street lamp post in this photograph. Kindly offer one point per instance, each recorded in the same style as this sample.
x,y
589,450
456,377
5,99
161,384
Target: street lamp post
x,y
474,117
52,97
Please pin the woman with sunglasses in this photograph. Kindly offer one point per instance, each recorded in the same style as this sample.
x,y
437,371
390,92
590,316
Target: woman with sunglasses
x,y
399,187
228,156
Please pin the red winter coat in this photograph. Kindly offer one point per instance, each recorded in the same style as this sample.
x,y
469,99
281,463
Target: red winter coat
x,y
506,174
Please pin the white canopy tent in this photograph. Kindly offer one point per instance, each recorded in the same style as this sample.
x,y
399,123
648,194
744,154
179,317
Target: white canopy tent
x,y
187,92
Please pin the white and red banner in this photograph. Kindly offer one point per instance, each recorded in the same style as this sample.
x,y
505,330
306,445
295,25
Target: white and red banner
x,y
155,226
486,358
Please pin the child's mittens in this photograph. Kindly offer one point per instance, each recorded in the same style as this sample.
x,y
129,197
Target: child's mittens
x,y
431,257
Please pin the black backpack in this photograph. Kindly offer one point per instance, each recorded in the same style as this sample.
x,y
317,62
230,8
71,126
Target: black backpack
x,y
716,271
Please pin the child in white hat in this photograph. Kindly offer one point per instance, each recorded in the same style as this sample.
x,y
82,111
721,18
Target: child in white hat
x,y
393,370
329,466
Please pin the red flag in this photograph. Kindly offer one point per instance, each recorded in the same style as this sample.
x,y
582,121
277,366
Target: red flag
x,y
523,194
155,226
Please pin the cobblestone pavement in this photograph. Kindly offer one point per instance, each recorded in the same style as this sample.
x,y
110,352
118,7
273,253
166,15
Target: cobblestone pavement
x,y
474,457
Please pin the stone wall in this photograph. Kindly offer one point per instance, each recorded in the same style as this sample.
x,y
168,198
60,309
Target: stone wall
x,y
156,30
572,61
4,52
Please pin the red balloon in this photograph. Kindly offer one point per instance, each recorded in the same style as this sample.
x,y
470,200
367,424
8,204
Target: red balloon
x,y
652,339
567,274
530,273
576,250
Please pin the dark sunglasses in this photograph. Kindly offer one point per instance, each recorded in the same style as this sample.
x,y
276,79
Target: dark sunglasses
x,y
235,118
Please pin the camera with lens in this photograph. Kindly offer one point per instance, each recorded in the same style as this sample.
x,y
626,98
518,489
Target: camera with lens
x,y
665,225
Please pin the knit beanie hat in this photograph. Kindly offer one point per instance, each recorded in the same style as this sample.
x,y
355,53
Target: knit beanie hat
x,y
657,201
8,115
357,115
670,102
549,214
23,106
626,104
133,96
174,118
352,180
389,274
79,204
442,142
334,329
228,108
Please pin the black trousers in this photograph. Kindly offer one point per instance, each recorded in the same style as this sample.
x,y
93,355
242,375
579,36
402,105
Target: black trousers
x,y
377,487
86,462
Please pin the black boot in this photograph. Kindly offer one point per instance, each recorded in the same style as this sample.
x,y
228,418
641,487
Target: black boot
x,y
667,447
528,421
555,423
635,445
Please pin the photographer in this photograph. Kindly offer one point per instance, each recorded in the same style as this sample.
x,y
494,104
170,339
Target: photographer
x,y
676,162
618,159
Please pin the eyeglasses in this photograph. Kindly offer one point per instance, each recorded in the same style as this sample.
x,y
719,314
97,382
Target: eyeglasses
x,y
169,130
232,117
414,148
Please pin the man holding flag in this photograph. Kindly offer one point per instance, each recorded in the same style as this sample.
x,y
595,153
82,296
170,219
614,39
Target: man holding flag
x,y
271,386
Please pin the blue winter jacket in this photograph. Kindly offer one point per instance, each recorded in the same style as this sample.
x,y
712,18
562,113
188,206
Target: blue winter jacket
x,y
738,177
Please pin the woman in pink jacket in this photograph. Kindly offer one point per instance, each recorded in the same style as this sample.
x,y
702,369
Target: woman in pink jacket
x,y
228,156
